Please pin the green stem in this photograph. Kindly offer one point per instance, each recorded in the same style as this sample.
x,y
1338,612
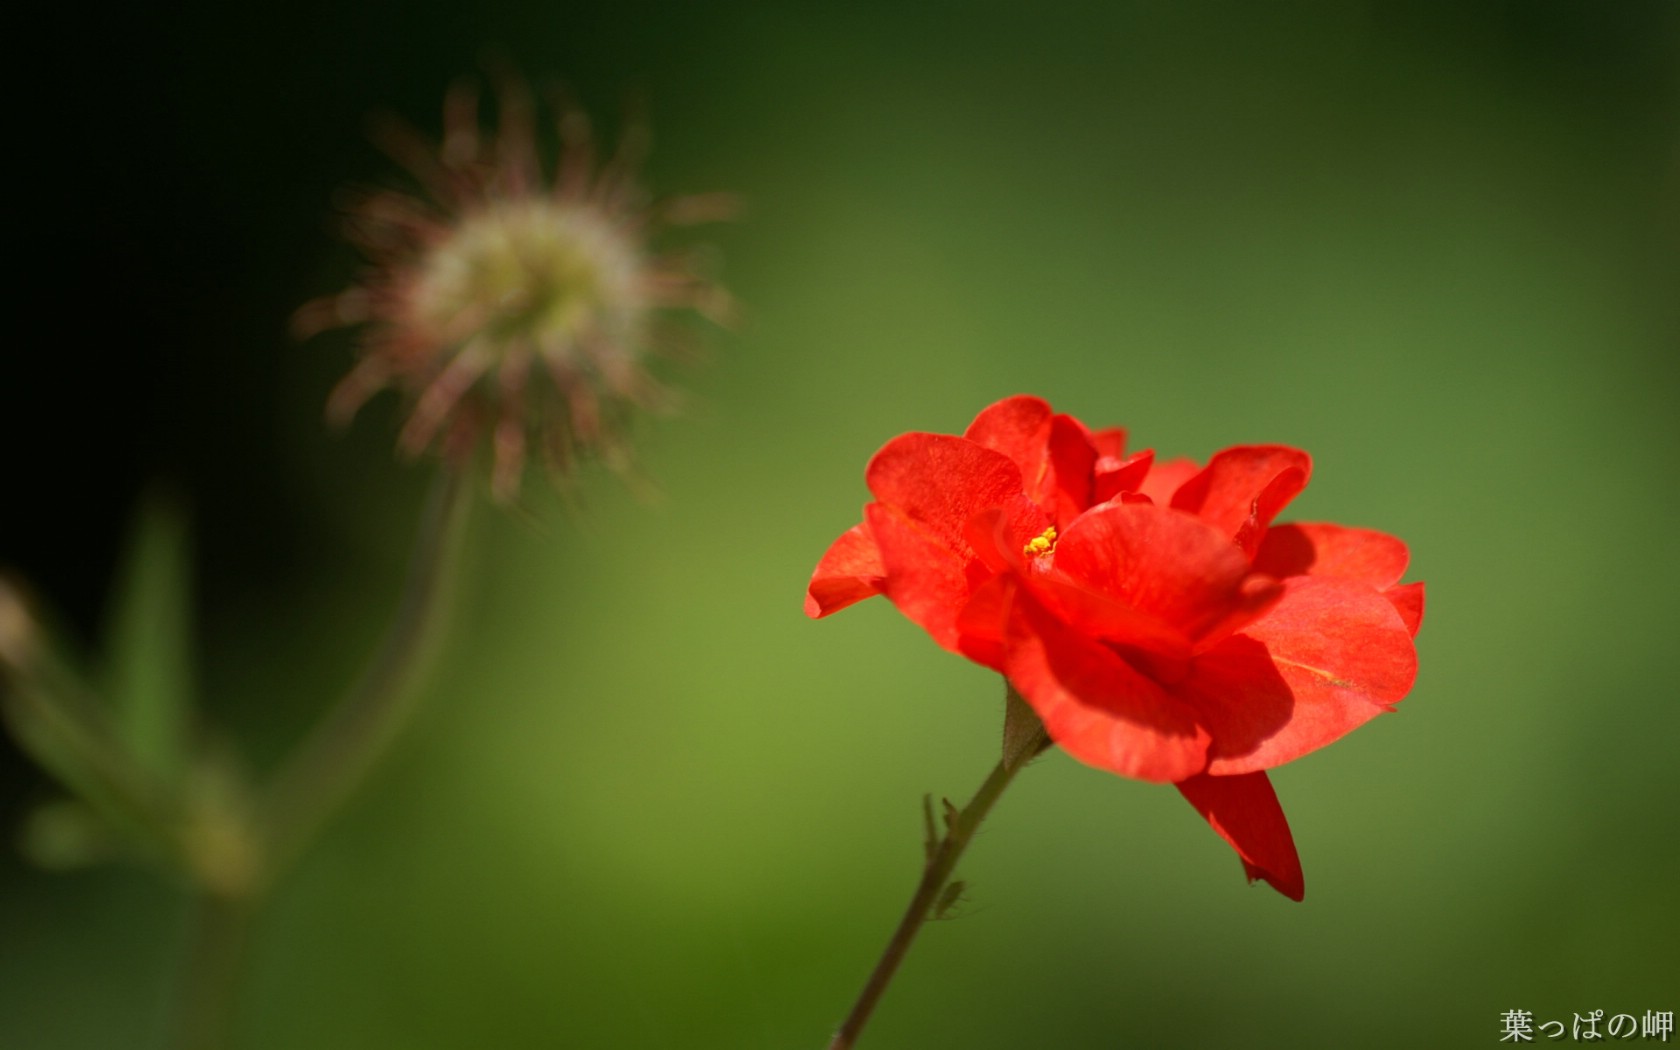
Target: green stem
x,y
332,764
320,777
941,863
220,939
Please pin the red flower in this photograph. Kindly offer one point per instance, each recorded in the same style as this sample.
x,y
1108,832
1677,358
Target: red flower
x,y
1153,616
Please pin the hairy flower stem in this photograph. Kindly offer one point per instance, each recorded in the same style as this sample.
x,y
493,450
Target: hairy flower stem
x,y
328,768
941,863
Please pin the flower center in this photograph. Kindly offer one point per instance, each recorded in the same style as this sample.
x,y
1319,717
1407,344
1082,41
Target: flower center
x,y
533,271
1044,543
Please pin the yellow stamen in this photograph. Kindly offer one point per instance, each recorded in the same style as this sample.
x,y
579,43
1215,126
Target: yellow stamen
x,y
1041,544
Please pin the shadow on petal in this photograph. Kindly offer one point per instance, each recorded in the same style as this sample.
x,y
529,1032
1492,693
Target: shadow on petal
x,y
1097,706
1239,695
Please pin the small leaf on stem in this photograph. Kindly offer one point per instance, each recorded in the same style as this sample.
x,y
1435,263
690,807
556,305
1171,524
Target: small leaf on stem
x,y
149,656
948,898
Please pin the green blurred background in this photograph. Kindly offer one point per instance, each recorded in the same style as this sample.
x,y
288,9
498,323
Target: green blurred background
x,y
648,803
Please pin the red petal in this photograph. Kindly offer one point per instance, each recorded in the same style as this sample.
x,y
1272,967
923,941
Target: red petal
x,y
1107,618
1172,568
1301,549
1018,427
1242,489
997,535
1054,453
1165,478
1116,476
924,577
939,482
1073,462
1244,810
983,622
1408,601
1109,442
1327,658
850,572
1094,704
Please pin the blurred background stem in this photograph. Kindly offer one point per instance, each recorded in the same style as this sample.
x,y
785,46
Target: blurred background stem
x,y
219,940
316,781
329,767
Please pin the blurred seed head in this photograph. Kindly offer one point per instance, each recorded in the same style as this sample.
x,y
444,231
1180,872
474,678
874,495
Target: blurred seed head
x,y
511,301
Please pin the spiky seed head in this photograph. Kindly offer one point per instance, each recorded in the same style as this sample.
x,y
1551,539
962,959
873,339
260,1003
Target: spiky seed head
x,y
509,298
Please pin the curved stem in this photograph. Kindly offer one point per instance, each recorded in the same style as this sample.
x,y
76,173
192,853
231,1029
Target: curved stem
x,y
320,776
327,768
942,861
